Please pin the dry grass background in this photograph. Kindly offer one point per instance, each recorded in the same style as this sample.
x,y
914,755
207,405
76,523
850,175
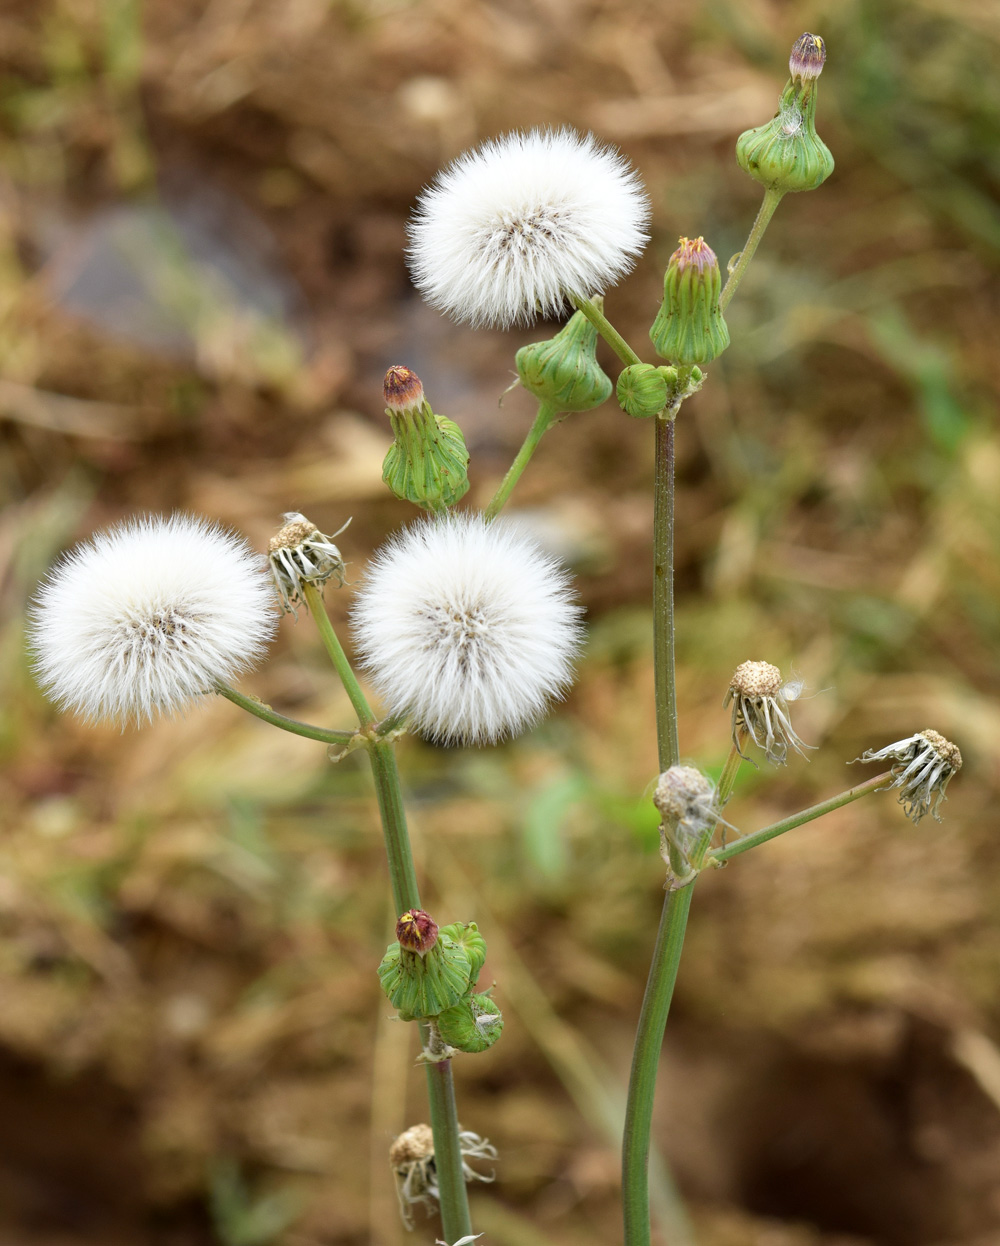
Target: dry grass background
x,y
193,1048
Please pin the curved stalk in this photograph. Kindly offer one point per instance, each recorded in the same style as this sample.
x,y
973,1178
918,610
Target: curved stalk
x,y
268,715
546,417
771,200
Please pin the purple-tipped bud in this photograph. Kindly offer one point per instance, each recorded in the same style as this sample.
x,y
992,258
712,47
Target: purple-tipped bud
x,y
416,931
807,59
402,389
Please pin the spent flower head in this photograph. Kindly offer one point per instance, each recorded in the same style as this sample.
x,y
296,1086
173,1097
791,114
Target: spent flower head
x,y
411,1158
467,627
145,617
760,701
511,230
300,554
686,800
923,765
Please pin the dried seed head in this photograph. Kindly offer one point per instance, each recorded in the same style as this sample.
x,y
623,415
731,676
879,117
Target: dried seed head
x,y
760,701
685,796
415,1143
300,554
923,765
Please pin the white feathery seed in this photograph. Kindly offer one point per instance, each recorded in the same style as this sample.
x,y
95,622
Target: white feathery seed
x,y
144,617
508,231
467,627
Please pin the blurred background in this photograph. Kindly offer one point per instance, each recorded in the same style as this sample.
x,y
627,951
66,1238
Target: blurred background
x,y
202,207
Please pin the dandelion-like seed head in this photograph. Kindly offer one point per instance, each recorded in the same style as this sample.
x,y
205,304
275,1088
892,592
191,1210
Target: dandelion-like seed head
x,y
923,765
511,230
300,554
686,801
760,702
142,619
466,627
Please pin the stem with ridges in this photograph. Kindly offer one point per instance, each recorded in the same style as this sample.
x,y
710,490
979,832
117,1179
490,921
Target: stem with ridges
x,y
771,200
268,715
746,842
453,1198
546,417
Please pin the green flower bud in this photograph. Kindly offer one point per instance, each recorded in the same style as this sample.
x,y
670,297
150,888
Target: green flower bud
x,y
563,371
642,390
689,327
427,462
467,936
473,1025
426,983
787,153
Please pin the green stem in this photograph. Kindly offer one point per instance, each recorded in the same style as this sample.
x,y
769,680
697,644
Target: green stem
x,y
546,417
268,715
747,842
727,780
606,329
771,200
663,597
338,657
455,1219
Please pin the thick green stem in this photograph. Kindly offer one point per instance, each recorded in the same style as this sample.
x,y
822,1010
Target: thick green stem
x,y
771,200
747,842
338,657
268,715
455,1220
663,597
606,329
546,417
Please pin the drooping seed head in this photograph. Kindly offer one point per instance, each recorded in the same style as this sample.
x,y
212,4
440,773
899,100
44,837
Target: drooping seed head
x,y
923,766
300,554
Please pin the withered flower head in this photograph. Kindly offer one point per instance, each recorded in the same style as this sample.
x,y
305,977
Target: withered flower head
x,y
923,765
760,710
300,554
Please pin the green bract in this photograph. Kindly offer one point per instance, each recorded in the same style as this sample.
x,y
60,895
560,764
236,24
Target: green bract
x,y
563,371
642,390
429,984
473,1025
427,462
689,327
787,153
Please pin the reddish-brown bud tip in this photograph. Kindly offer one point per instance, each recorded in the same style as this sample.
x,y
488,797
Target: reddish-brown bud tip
x,y
402,389
696,252
416,931
807,59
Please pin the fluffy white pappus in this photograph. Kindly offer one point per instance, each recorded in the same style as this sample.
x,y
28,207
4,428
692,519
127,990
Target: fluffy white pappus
x,y
467,627
508,231
143,618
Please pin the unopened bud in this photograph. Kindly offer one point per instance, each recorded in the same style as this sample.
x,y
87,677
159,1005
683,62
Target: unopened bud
x,y
787,154
473,1025
689,327
642,390
416,931
807,59
563,371
427,463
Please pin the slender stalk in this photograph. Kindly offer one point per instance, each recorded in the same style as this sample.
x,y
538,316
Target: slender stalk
x,y
663,597
454,1203
606,329
546,417
268,715
338,657
727,780
746,842
771,200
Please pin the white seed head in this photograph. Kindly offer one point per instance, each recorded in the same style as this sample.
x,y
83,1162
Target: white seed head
x,y
143,618
760,710
467,627
509,230
923,765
